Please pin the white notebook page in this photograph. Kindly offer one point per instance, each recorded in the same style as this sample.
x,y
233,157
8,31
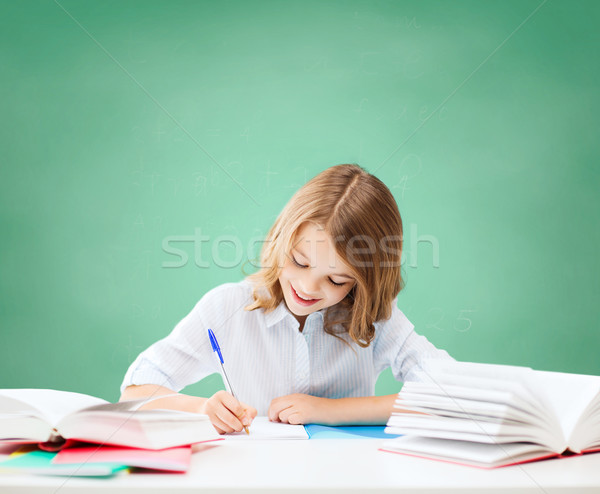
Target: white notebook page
x,y
262,428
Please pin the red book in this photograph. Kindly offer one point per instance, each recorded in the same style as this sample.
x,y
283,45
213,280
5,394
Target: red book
x,y
175,460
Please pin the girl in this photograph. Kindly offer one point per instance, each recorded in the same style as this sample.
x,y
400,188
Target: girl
x,y
305,337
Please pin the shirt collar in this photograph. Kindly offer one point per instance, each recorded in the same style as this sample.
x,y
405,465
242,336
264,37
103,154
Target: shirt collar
x,y
277,315
282,312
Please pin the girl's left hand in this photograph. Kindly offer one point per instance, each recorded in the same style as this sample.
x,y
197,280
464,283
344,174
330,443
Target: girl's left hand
x,y
299,409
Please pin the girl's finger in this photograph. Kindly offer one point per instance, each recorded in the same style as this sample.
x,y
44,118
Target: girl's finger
x,y
218,429
225,421
285,413
276,406
228,418
249,414
295,418
232,404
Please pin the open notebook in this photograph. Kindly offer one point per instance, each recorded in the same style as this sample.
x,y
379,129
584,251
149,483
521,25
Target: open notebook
x,y
262,428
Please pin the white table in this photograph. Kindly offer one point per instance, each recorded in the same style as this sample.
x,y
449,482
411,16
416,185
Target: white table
x,y
328,465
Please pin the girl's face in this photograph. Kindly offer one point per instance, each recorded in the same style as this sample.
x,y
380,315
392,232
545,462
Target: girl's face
x,y
314,276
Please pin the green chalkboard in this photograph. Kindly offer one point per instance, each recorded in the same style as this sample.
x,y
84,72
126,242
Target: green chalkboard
x,y
148,146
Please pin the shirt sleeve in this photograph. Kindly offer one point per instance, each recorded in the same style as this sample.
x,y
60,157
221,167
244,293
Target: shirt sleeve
x,y
185,355
398,346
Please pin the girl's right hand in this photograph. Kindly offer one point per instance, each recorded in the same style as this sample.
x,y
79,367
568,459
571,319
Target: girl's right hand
x,y
227,414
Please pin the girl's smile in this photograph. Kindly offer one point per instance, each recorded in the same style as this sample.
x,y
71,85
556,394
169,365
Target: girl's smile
x,y
314,276
303,300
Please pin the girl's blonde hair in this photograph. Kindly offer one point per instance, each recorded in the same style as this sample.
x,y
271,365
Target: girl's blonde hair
x,y
361,216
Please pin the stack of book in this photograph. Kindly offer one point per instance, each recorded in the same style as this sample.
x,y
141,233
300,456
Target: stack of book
x,y
495,415
63,433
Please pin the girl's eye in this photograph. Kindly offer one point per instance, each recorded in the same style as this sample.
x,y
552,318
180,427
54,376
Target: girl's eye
x,y
305,266
297,263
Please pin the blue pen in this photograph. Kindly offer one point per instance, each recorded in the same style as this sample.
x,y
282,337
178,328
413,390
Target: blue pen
x,y
216,348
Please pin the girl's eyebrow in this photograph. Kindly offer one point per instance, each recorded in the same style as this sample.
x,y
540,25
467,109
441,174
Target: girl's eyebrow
x,y
296,249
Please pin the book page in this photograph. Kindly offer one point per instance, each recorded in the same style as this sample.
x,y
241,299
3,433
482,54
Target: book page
x,y
147,429
50,404
476,454
467,401
568,395
262,428
522,381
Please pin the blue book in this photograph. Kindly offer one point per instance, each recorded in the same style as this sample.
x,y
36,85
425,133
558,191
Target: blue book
x,y
316,431
40,462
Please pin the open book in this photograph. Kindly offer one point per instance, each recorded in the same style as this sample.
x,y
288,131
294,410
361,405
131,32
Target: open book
x,y
495,415
51,417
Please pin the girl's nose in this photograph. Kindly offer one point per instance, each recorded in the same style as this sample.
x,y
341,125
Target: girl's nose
x,y
309,285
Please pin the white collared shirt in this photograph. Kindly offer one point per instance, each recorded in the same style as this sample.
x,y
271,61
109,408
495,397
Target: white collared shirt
x,y
266,356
